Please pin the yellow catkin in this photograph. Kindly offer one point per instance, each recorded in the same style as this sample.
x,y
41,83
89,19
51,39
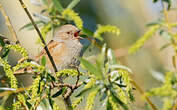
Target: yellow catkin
x,y
90,100
90,83
162,91
113,104
143,39
70,72
19,49
106,29
68,13
167,105
76,102
9,73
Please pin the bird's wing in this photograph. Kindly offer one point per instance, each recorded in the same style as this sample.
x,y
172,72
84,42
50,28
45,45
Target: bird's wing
x,y
54,48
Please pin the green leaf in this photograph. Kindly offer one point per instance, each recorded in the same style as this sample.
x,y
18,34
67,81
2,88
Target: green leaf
x,y
59,92
51,102
87,32
2,42
30,26
28,104
165,46
118,66
111,57
5,53
73,4
41,17
58,5
85,91
90,67
155,23
102,56
50,77
108,106
43,61
117,100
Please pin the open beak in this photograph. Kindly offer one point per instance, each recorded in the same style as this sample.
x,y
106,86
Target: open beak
x,y
77,34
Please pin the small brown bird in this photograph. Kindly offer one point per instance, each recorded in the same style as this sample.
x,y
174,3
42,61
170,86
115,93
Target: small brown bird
x,y
65,47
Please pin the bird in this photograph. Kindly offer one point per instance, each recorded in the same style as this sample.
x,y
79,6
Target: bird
x,y
65,48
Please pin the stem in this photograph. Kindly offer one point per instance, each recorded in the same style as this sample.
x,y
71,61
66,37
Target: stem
x,y
45,46
143,94
9,24
44,96
2,94
40,35
165,12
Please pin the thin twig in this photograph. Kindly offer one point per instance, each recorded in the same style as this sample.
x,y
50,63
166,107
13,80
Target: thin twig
x,y
9,25
2,94
45,46
78,77
24,106
143,94
174,40
44,96
175,105
74,87
40,35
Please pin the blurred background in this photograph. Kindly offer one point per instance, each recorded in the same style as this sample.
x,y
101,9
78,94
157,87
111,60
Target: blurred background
x,y
131,16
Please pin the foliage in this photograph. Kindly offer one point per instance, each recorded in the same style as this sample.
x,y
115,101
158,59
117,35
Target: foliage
x,y
109,79
105,78
143,39
167,92
167,96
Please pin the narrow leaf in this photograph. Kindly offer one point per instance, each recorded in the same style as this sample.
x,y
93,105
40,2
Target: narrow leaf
x,y
90,67
73,4
30,25
2,41
118,66
43,61
117,100
108,106
164,46
174,61
87,32
58,5
59,92
84,92
111,57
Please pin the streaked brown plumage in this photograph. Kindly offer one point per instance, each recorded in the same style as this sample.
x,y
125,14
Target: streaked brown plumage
x,y
65,47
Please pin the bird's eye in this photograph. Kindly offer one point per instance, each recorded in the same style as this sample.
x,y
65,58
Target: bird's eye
x,y
68,32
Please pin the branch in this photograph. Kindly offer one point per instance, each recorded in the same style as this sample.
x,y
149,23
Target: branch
x,y
2,94
9,25
40,35
143,94
78,77
44,96
67,103
174,40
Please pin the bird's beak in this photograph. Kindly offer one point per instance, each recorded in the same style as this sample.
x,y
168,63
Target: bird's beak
x,y
77,34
